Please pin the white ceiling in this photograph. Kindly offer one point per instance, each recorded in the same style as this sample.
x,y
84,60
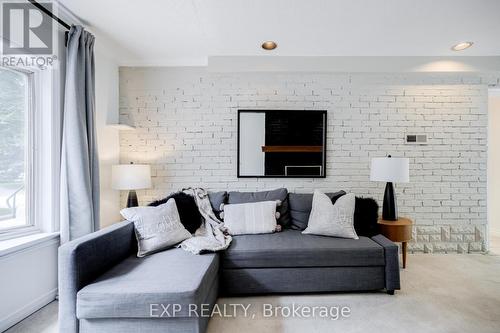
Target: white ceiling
x,y
187,32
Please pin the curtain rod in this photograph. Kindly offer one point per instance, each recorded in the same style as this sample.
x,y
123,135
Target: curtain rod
x,y
50,14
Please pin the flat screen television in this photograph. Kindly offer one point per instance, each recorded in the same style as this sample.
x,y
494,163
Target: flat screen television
x,y
281,143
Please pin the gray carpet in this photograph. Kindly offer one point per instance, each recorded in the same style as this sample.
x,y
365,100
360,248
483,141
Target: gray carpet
x,y
441,293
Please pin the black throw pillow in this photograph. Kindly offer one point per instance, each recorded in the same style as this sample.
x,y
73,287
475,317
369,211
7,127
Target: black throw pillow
x,y
366,217
188,210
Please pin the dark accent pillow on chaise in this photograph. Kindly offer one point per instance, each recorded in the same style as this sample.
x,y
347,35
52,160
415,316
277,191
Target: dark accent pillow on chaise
x,y
188,210
366,217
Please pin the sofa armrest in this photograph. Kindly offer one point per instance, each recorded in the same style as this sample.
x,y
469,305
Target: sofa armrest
x,y
83,260
391,254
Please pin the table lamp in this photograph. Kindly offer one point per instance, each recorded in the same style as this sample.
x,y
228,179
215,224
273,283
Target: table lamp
x,y
131,177
391,170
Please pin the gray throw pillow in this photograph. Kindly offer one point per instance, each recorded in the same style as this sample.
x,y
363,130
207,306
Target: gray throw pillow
x,y
273,195
301,205
216,199
328,219
156,228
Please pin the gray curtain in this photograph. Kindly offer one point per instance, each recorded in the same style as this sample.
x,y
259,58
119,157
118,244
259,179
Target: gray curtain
x,y
79,159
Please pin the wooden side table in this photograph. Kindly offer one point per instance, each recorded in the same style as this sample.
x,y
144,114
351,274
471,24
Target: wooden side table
x,y
397,231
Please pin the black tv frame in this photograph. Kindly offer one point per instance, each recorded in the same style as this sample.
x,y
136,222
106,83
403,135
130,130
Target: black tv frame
x,y
324,114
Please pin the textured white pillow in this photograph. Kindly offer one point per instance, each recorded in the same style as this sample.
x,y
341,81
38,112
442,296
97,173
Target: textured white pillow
x,y
156,228
250,218
328,219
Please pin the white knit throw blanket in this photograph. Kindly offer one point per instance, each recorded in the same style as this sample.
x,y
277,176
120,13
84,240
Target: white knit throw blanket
x,y
210,236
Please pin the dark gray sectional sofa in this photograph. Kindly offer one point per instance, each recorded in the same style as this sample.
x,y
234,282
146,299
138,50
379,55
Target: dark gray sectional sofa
x,y
104,287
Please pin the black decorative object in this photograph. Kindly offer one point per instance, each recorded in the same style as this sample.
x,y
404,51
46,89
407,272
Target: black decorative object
x,y
281,143
188,210
132,199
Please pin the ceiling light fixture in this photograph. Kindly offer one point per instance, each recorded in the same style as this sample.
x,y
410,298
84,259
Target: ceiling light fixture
x,y
461,46
269,45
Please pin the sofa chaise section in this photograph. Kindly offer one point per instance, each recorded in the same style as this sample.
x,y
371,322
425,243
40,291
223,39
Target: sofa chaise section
x,y
130,294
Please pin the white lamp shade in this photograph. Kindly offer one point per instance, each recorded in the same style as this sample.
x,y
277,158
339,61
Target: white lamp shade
x,y
130,176
390,169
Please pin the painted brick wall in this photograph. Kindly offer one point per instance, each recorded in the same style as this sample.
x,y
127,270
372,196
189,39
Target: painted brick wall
x,y
186,129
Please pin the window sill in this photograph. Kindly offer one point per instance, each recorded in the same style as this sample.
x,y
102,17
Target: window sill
x,y
18,244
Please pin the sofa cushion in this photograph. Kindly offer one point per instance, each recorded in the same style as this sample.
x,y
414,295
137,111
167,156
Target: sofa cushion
x,y
301,205
216,199
290,248
278,194
169,277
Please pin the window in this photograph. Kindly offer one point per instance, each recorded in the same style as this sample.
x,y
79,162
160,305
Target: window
x,y
16,149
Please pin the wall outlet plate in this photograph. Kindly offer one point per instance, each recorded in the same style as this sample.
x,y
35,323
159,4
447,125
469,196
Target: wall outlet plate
x,y
416,139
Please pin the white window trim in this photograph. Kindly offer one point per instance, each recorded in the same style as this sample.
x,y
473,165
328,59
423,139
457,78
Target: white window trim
x,y
29,227
43,212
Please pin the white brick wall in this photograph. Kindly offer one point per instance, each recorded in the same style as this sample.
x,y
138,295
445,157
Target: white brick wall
x,y
186,129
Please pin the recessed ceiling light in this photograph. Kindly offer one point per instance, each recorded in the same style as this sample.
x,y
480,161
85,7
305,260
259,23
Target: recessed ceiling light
x,y
461,46
269,45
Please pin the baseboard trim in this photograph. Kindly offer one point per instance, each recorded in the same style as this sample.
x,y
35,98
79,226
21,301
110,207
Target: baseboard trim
x,y
27,310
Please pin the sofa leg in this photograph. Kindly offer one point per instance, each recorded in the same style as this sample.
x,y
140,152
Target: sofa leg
x,y
390,292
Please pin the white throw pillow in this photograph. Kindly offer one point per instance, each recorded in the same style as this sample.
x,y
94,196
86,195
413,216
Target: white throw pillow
x,y
250,218
328,219
156,228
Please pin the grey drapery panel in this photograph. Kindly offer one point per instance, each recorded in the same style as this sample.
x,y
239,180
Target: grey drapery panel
x,y
79,159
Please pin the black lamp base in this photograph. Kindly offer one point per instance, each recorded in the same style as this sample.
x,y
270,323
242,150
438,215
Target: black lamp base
x,y
132,199
390,208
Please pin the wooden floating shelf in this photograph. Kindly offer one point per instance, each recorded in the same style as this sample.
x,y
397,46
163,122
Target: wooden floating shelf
x,y
292,149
